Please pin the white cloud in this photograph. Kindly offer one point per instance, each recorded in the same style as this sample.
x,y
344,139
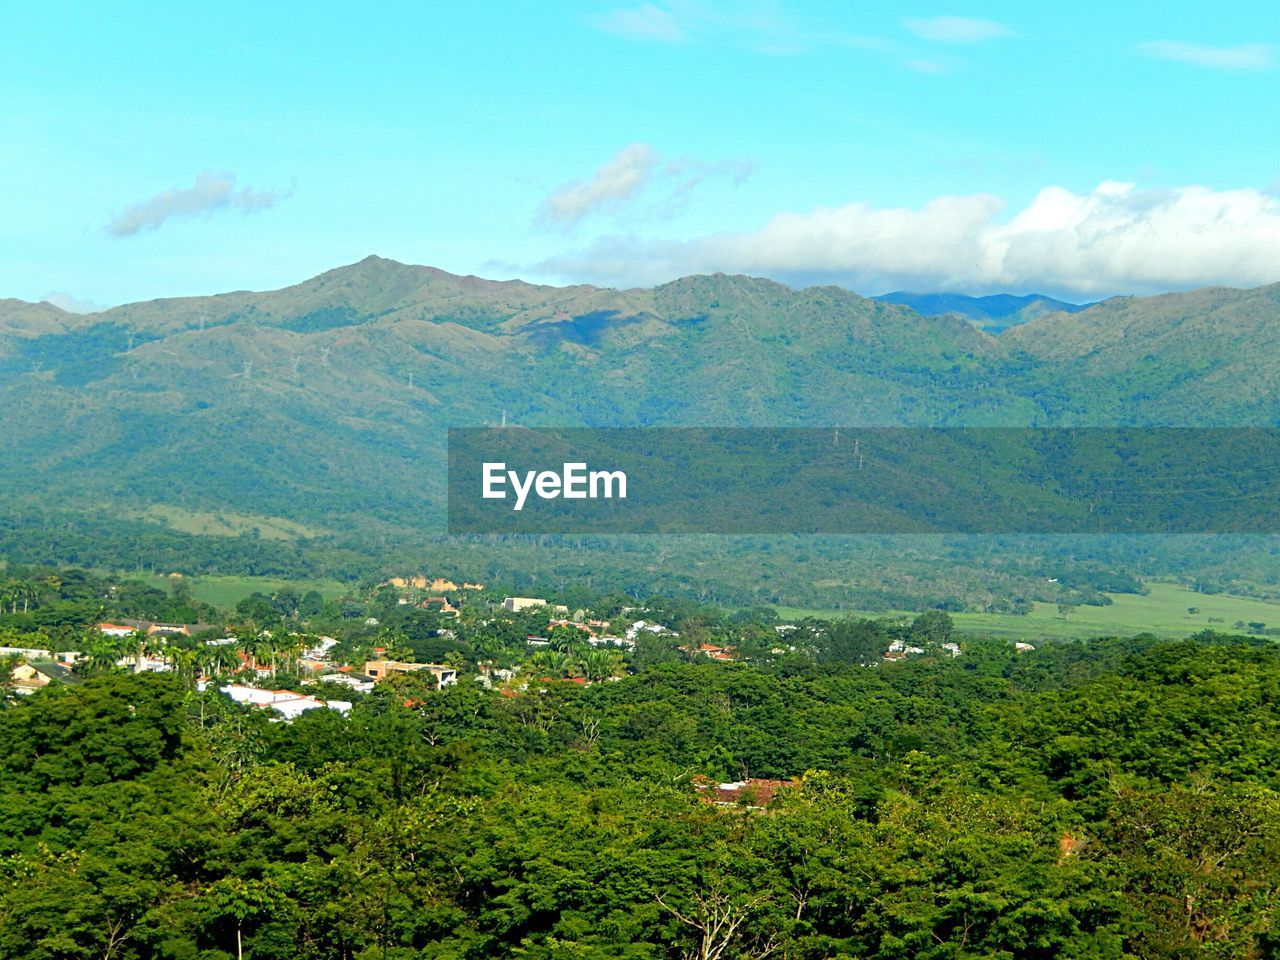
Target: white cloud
x,y
211,191
65,301
956,29
630,172
1113,239
621,177
1246,56
646,22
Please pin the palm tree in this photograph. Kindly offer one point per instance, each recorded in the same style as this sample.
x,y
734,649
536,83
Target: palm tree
x,y
138,644
216,659
102,655
395,643
599,665
271,645
9,595
256,647
183,661
565,639
291,647
555,663
16,592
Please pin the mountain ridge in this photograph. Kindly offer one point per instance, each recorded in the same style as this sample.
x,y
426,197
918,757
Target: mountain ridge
x,y
994,312
325,405
355,373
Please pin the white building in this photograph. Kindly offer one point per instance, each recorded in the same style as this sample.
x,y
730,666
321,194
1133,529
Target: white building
x,y
612,642
146,664
359,683
643,626
320,650
287,703
31,653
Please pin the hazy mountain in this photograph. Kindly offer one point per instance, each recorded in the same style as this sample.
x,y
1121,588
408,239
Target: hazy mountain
x,y
993,313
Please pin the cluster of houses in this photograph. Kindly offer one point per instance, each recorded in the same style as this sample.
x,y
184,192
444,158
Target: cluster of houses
x,y
901,650
123,628
592,631
38,670
289,704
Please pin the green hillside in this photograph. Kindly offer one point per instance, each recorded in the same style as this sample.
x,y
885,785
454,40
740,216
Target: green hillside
x,y
321,411
1204,357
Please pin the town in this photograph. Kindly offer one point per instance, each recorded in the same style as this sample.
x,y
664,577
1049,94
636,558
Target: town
x,y
413,633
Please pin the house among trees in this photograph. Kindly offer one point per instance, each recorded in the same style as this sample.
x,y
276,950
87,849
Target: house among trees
x,y
442,602
115,629
320,650
723,654
752,793
288,703
27,678
359,682
122,628
379,670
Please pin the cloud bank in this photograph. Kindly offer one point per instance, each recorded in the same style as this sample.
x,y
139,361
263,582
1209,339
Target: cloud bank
x,y
211,192
1114,239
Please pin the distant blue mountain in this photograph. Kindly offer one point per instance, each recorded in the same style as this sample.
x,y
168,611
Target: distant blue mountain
x,y
994,313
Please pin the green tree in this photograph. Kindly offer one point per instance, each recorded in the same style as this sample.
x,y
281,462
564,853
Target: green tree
x,y
243,903
854,641
932,628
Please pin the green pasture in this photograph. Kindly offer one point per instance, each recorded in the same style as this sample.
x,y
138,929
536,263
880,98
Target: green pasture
x,y
1164,611
225,592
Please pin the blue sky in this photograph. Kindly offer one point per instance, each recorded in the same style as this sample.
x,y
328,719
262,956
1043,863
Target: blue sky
x,y
153,149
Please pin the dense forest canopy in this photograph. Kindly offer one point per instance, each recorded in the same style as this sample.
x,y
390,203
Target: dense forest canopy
x,y
1110,799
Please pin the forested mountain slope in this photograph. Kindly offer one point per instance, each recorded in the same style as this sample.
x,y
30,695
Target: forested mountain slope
x,y
326,403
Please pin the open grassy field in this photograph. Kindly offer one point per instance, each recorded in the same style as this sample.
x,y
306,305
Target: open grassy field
x,y
1163,611
226,524
225,592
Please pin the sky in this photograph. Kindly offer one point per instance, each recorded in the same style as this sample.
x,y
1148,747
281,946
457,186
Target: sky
x,y
1081,150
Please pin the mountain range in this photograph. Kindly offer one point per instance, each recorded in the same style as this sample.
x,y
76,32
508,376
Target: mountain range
x,y
320,410
992,313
